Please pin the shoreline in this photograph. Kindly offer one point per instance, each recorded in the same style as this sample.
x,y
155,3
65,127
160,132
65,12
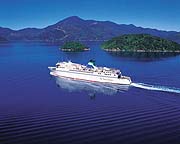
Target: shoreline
x,y
71,50
142,51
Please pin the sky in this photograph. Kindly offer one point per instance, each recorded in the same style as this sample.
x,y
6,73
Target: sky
x,y
159,14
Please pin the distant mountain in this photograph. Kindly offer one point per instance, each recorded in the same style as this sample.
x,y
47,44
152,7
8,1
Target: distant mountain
x,y
75,28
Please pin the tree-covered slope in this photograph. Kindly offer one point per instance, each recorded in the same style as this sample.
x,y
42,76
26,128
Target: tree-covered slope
x,y
140,43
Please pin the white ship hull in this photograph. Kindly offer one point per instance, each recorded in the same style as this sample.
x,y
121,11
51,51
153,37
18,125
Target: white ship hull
x,y
91,76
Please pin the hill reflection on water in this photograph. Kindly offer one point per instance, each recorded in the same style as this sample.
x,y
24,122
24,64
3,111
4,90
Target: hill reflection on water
x,y
145,55
89,87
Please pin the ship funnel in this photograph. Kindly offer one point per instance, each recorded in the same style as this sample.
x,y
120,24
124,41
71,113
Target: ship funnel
x,y
92,63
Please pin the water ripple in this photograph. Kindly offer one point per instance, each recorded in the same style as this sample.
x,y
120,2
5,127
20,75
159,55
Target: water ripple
x,y
83,125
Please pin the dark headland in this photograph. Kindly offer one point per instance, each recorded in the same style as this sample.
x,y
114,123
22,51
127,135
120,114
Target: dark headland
x,y
2,39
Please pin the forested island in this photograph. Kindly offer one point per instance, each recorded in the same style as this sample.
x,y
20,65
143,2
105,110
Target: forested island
x,y
74,46
140,43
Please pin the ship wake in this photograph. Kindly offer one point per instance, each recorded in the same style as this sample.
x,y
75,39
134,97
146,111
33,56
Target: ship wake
x,y
156,87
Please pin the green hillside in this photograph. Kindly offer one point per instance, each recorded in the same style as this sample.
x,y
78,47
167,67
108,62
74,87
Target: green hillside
x,y
140,43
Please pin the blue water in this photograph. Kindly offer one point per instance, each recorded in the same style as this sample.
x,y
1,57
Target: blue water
x,y
38,108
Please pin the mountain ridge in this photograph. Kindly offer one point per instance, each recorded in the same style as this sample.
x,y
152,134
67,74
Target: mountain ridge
x,y
76,28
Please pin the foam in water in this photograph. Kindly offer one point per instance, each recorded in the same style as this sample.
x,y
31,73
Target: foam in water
x,y
109,89
156,87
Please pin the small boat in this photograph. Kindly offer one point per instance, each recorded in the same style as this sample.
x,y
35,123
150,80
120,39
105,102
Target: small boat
x,y
89,72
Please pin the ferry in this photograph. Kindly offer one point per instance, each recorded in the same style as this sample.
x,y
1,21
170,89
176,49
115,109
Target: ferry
x,y
89,72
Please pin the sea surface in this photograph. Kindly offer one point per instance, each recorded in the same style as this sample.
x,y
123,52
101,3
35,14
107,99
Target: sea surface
x,y
38,108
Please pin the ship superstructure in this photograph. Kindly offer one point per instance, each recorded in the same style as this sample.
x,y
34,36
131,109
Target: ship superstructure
x,y
89,72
